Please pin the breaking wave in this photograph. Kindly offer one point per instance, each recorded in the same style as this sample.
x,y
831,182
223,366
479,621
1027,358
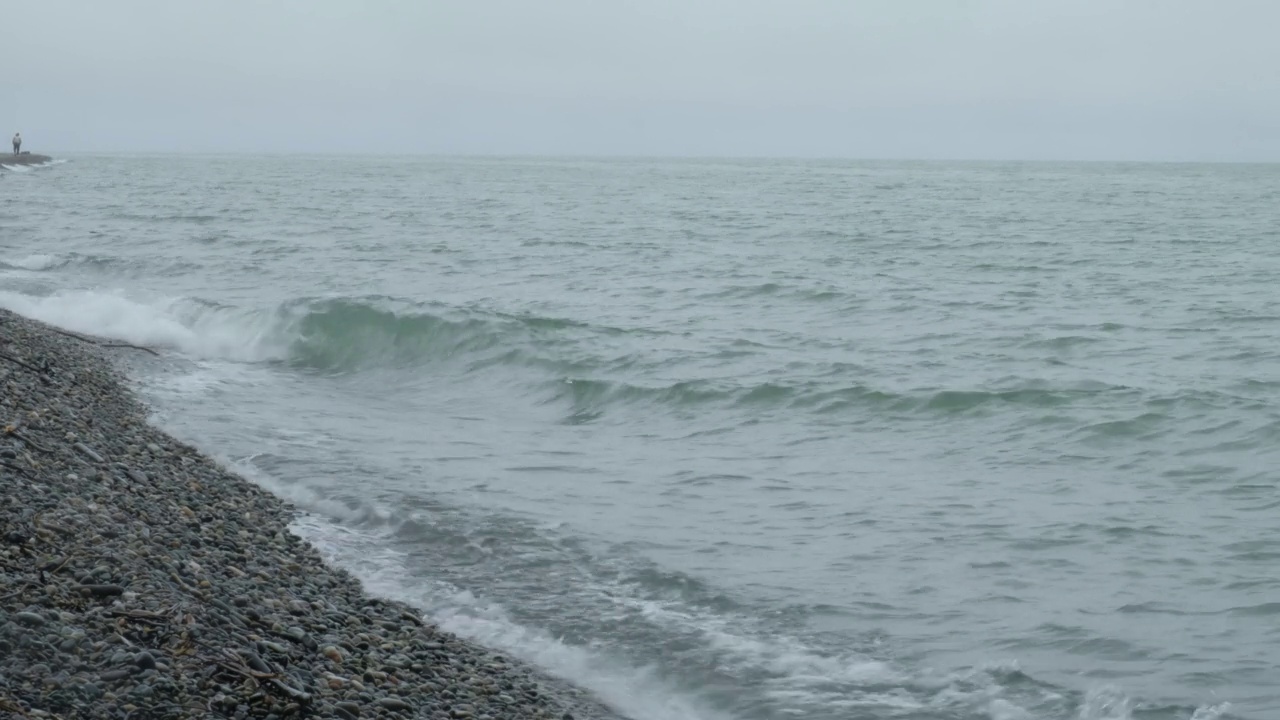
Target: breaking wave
x,y
559,358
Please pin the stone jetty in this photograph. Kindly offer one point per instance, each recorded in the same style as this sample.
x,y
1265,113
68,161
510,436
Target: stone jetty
x,y
141,579
25,158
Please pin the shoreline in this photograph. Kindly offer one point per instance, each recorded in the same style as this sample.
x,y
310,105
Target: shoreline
x,y
140,578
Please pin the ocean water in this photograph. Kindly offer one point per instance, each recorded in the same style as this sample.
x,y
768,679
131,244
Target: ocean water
x,y
733,439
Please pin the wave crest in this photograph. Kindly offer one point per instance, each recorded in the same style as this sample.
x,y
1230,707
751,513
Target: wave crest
x,y
348,335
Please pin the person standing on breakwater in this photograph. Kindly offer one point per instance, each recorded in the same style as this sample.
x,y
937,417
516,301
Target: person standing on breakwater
x,y
17,142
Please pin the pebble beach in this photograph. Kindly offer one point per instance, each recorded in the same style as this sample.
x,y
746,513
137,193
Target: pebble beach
x,y
141,579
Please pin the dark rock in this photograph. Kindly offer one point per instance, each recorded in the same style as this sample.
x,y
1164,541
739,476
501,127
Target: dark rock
x,y
25,158
394,704
30,619
101,590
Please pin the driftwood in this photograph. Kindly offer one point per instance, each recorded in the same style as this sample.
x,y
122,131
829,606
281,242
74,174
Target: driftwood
x,y
143,348
12,430
17,468
44,374
91,341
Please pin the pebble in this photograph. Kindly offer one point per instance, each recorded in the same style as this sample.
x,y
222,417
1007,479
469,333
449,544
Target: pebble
x,y
352,708
29,618
144,660
149,563
101,590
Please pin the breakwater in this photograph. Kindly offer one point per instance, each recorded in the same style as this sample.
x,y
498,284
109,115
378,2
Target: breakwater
x,y
26,158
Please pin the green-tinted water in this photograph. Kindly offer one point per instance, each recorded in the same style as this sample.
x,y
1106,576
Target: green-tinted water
x,y
734,439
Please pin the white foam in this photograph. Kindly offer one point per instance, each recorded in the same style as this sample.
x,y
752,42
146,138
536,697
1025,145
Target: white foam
x,y
305,497
803,678
1211,712
36,262
28,167
196,382
801,666
799,676
198,330
1106,703
636,692
797,679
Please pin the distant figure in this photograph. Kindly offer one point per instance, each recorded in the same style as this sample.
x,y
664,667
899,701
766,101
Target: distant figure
x,y
17,143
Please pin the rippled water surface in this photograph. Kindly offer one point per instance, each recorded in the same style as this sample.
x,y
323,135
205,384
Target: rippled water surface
x,y
717,439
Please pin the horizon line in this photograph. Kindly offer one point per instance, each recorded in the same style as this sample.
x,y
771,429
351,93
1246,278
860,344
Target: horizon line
x,y
634,157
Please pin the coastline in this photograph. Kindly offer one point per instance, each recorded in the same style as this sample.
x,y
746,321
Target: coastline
x,y
140,578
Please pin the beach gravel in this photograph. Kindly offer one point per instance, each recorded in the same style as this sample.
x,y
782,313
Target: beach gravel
x,y
141,579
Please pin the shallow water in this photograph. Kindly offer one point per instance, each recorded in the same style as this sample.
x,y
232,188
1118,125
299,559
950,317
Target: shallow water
x,y
720,439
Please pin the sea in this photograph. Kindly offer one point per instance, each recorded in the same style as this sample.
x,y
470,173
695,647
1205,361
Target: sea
x,y
732,439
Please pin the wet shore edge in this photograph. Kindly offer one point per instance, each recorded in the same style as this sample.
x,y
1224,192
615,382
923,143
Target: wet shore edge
x,y
141,579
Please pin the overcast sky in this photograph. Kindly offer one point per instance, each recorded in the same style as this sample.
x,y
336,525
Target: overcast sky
x,y
1040,79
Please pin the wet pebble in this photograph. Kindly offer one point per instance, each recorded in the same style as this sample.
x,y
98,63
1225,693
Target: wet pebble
x,y
140,574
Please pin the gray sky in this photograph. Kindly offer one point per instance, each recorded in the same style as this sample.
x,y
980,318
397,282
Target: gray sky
x,y
1047,79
